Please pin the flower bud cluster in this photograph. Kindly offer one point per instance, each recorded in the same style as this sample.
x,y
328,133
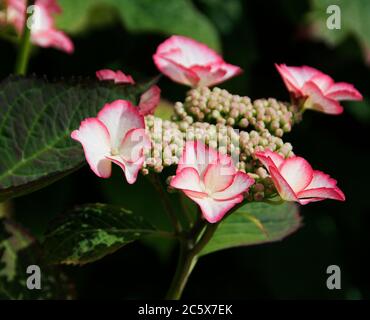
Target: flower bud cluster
x,y
219,106
167,144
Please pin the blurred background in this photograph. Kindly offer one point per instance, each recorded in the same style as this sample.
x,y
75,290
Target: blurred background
x,y
123,34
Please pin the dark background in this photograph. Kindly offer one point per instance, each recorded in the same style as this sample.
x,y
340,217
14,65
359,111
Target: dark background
x,y
263,33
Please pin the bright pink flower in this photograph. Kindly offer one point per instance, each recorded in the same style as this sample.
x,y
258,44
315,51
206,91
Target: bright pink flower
x,y
317,90
116,76
148,100
43,31
192,63
210,179
295,180
116,135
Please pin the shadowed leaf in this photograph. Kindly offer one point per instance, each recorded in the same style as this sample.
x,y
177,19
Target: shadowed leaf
x,y
158,16
255,223
92,231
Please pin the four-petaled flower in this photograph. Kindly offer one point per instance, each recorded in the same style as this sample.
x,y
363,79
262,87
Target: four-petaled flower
x,y
317,90
192,63
116,135
295,180
210,179
149,100
43,31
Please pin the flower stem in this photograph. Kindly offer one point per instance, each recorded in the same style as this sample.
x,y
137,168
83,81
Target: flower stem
x,y
24,50
188,258
185,266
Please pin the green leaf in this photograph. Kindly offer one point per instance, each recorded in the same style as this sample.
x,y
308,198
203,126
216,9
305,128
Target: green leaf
x,y
158,16
36,120
18,250
354,20
224,14
255,223
92,231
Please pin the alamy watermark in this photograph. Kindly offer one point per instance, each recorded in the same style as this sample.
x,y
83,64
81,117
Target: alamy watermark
x,y
334,280
34,15
333,22
34,280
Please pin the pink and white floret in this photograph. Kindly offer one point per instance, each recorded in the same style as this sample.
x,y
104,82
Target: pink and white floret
x,y
316,90
192,63
210,179
116,135
295,180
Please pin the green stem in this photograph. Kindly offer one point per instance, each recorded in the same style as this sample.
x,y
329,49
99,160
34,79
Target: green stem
x,y
197,229
206,237
188,258
185,266
191,245
24,51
